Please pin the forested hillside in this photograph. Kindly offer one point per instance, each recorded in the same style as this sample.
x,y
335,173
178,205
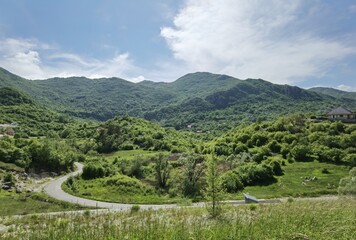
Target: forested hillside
x,y
32,118
202,101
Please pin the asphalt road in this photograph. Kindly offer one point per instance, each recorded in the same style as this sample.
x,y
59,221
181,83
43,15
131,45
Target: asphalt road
x,y
54,190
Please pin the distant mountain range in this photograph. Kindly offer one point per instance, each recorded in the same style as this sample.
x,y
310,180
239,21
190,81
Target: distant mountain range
x,y
200,101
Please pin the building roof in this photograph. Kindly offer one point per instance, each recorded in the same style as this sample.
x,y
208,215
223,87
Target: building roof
x,y
340,111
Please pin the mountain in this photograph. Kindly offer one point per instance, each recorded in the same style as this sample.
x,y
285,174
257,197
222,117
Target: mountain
x,y
32,118
199,101
334,92
9,96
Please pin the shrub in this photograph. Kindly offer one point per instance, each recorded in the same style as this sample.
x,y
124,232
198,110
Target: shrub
x,y
252,207
276,167
135,208
92,171
301,153
274,146
9,178
230,182
350,159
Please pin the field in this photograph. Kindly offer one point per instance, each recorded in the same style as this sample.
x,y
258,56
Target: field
x,y
131,154
291,220
28,203
297,181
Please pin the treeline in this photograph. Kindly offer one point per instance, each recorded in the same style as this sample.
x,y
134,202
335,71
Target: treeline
x,y
128,133
295,138
50,155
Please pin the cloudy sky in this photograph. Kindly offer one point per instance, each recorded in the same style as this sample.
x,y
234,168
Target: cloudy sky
x,y
298,42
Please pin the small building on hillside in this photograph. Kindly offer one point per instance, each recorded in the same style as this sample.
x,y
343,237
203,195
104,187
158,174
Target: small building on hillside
x,y
343,115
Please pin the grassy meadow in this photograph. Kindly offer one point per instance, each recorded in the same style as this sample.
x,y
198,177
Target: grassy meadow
x,y
297,181
12,203
291,220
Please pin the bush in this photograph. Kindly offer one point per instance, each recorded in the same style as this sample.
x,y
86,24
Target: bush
x,y
350,159
231,182
302,153
274,146
92,171
135,208
276,167
9,178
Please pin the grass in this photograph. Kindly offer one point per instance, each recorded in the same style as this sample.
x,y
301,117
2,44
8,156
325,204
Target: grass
x,y
131,154
296,181
295,220
290,184
10,167
124,192
26,203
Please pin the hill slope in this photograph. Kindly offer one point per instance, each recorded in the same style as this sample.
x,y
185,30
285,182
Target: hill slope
x,y
334,92
33,119
202,101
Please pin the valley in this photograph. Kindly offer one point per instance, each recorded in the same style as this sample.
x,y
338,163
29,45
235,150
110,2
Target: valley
x,y
202,138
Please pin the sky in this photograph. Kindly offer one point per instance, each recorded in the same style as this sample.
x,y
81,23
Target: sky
x,y
306,43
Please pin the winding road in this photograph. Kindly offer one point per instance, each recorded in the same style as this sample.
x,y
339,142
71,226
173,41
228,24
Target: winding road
x,y
54,190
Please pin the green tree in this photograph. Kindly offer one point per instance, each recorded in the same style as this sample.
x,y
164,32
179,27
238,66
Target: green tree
x,y
213,187
162,169
193,170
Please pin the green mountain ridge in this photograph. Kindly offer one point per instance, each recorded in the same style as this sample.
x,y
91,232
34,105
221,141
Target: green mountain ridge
x,y
334,92
33,118
203,100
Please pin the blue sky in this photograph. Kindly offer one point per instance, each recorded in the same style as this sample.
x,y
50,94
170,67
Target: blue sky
x,y
301,42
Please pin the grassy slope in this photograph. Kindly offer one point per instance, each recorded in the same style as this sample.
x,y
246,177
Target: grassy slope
x,y
296,220
26,203
291,183
125,192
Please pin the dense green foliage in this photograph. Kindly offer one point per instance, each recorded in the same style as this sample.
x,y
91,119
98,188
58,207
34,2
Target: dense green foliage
x,y
31,118
203,101
132,160
129,133
49,155
334,92
295,138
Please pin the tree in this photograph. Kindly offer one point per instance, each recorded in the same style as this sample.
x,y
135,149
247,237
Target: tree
x,y
192,173
213,186
162,169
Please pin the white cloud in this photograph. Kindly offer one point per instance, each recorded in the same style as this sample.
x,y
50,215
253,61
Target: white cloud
x,y
35,60
20,56
251,39
137,79
346,88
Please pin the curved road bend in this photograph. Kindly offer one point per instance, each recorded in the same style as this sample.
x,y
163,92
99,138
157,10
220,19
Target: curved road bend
x,y
54,190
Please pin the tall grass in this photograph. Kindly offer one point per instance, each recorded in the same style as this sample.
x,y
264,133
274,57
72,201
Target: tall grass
x,y
295,220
